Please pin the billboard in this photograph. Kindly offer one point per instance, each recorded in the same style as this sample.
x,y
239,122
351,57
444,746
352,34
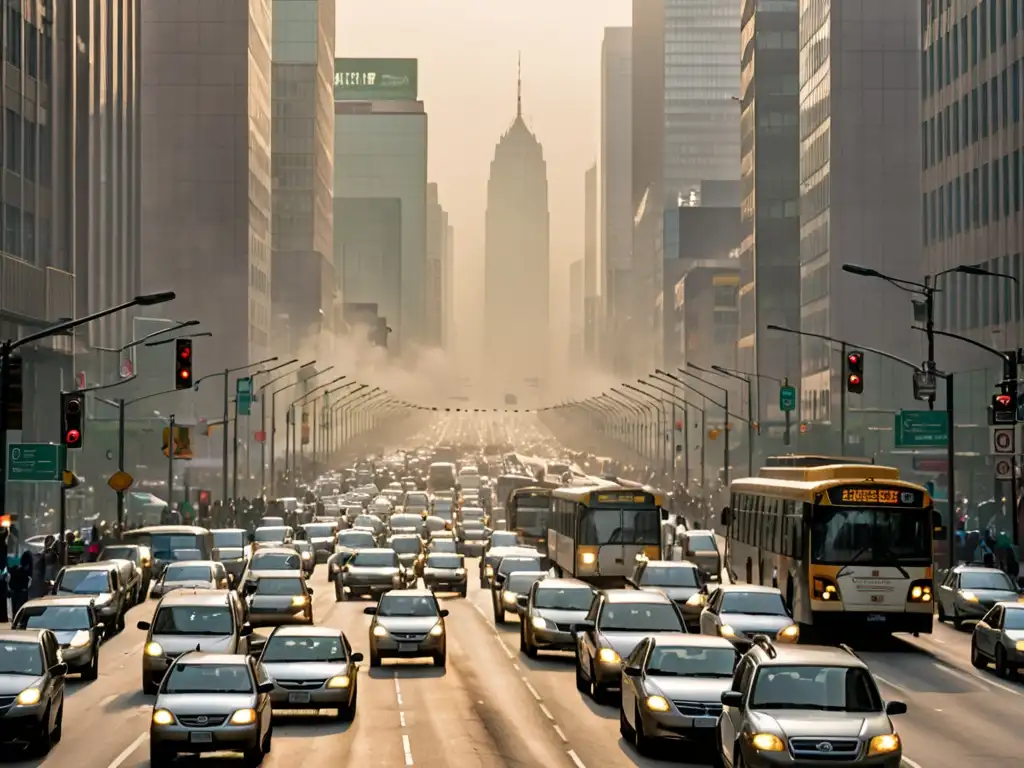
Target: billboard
x,y
375,79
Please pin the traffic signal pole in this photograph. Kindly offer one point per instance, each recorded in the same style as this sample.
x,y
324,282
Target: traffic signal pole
x,y
170,461
842,403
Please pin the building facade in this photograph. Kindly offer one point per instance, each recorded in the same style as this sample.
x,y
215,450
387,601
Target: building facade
x,y
860,181
206,169
615,193
448,336
304,283
577,318
591,268
380,162
770,205
437,252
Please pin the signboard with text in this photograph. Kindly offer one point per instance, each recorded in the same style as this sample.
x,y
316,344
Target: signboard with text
x,y
875,496
375,79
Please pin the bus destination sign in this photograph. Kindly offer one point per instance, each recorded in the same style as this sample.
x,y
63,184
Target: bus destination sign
x,y
875,496
625,497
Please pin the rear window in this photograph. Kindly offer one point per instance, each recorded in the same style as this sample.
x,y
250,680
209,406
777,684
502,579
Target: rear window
x,y
503,539
667,576
444,561
513,564
229,539
521,582
187,573
271,534
356,540
208,678
119,553
279,587
193,620
375,560
276,561
406,546
701,543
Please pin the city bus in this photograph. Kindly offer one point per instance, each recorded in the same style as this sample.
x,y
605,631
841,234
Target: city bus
x,y
169,543
505,484
597,533
850,546
527,513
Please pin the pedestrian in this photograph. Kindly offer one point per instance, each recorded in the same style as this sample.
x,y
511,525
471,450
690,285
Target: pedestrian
x,y
20,581
94,545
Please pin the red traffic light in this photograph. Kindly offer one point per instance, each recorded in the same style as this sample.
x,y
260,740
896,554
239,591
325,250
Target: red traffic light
x,y
1004,400
185,353
72,437
854,378
854,358
184,374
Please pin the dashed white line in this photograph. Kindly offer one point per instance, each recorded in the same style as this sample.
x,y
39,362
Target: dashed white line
x,y
400,702
398,686
401,719
407,748
576,759
531,689
910,763
515,667
109,700
120,759
561,735
547,712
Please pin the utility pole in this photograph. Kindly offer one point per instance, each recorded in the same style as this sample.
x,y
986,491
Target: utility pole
x,y
170,462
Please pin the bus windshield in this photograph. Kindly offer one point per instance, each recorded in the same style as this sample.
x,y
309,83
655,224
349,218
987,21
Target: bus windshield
x,y
870,536
531,515
620,526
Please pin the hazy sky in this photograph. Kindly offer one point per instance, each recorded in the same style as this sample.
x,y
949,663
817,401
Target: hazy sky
x,y
467,80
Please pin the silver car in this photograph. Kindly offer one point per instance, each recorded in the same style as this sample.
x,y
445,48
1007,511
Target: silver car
x,y
312,668
408,624
999,638
672,688
549,611
517,584
74,623
409,547
701,549
682,582
212,703
968,592
196,574
272,536
271,559
738,612
372,571
445,573
279,597
320,536
231,548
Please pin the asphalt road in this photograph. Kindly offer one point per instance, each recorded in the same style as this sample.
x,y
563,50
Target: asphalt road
x,y
492,707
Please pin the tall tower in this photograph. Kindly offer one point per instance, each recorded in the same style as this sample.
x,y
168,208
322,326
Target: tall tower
x,y
517,263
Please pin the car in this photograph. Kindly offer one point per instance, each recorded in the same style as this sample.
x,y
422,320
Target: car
x,y
231,549
272,536
312,668
782,697
549,611
305,550
491,557
404,522
75,624
31,689
505,566
270,521
348,543
407,624
271,559
468,512
210,702
321,536
370,572
183,621
517,583
104,582
472,537
680,580
503,539
409,547
672,688
968,592
700,547
445,572
434,525
197,574
278,597
141,557
617,621
443,546
370,523
999,638
740,611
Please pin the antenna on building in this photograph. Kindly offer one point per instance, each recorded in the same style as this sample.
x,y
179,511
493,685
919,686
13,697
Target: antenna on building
x,y
519,86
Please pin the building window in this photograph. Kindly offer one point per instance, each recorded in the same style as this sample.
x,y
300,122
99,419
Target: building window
x,y
1018,187
982,37
939,139
45,155
975,199
957,207
1006,186
974,115
31,50
984,110
12,230
30,151
1017,95
993,32
1014,17
995,191
984,195
30,238
954,127
12,137
954,50
14,37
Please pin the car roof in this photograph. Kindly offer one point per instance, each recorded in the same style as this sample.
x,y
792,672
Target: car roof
x,y
219,659
313,630
273,527
228,530
21,635
60,600
293,574
418,592
1011,605
672,639
537,575
563,584
215,597
376,549
208,563
669,564
406,536
726,588
701,531
445,554
978,569
634,596
101,565
807,655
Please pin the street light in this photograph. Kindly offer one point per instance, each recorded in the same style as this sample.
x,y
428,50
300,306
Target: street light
x,y
750,408
263,422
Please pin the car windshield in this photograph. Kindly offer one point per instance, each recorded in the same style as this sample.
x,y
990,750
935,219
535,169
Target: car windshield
x,y
521,582
701,542
229,539
434,524
443,545
753,603
193,620
119,553
513,564
290,648
187,573
303,546
406,605
640,617
444,561
986,580
85,582
570,599
21,659
375,560
620,526
842,535
1014,618
405,545
270,534
276,561
356,540
208,678
406,521
668,576
59,618
472,513
164,545
682,661
503,539
837,689
279,587
367,521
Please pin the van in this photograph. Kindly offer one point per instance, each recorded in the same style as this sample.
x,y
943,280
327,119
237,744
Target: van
x,y
441,476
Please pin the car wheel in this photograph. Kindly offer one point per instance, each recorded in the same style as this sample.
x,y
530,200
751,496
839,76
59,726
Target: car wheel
x,y
268,740
347,713
942,613
958,623
597,691
149,688
160,757
43,740
93,670
441,659
120,622
977,660
462,592
640,740
1002,670
58,727
625,729
374,659
581,682
253,755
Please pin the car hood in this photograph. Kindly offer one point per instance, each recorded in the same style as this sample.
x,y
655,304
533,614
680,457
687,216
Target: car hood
x,y
204,703
356,570
560,616
64,636
174,645
409,624
306,670
623,642
12,685
813,723
746,624
675,594
704,689
992,596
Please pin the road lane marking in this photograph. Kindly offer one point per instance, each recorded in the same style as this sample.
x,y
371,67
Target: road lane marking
x,y
407,748
576,759
120,759
910,763
515,667
531,689
891,684
401,719
108,700
398,687
561,735
547,712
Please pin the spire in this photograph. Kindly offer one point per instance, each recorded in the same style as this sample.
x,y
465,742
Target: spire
x,y
519,87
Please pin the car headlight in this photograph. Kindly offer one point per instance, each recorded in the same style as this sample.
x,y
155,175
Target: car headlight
x,y
460,571
767,742
884,744
1020,645
726,631
437,630
539,623
509,597
162,717
29,696
81,639
489,570
608,656
306,556
379,631
790,633
299,600
339,681
970,597
695,599
657,704
244,717
154,649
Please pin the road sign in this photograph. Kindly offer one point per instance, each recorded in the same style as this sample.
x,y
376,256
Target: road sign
x,y
921,429
787,399
1004,467
120,481
127,368
1003,440
260,436
243,396
35,462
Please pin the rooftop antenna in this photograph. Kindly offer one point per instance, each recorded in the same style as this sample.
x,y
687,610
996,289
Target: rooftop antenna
x,y
519,86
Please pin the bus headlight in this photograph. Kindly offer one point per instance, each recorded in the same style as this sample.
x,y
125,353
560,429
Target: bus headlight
x,y
884,744
825,589
920,592
588,558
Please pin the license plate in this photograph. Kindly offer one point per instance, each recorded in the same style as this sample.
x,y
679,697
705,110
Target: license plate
x,y
705,722
298,698
876,617
407,647
200,737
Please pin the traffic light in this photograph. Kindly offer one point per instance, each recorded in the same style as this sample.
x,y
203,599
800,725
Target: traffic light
x,y
855,372
72,409
183,364
1004,407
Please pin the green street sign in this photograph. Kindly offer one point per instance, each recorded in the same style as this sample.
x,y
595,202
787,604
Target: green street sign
x,y
921,429
35,462
787,399
243,396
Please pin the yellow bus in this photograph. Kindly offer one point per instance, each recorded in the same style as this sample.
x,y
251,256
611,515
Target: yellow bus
x,y
528,512
596,533
850,546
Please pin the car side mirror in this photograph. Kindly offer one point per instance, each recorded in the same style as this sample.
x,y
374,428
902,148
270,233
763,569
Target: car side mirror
x,y
245,630
62,669
143,625
895,708
267,687
522,600
732,699
444,613
370,611
704,589
355,658
310,590
632,671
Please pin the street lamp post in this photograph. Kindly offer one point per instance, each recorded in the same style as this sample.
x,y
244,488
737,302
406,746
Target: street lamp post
x,y
686,436
295,447
339,407
263,424
750,411
248,431
287,423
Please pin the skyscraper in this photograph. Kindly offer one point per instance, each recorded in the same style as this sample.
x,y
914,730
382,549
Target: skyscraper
x,y
437,252
591,268
577,289
517,266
